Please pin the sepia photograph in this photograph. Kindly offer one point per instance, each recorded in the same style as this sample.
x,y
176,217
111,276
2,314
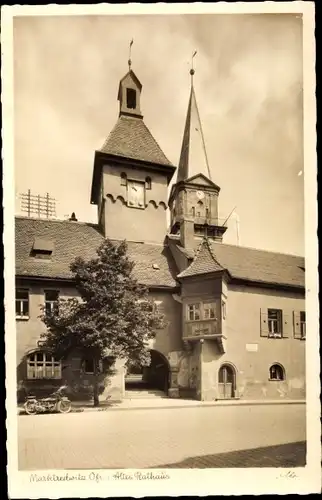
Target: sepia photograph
x,y
159,228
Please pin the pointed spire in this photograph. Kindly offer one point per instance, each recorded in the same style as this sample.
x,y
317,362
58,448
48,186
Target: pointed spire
x,y
204,261
193,157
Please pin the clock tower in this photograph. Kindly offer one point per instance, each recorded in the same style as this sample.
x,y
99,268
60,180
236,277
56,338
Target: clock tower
x,y
193,199
131,174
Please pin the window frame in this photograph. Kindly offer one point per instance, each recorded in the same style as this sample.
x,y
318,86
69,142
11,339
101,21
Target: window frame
x,y
211,307
278,321
53,303
123,179
148,183
282,371
22,301
303,324
33,365
201,307
223,309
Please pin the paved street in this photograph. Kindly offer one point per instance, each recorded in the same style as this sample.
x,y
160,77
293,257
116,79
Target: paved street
x,y
178,437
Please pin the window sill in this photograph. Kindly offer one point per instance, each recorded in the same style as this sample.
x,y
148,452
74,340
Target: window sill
x,y
277,336
43,379
276,380
22,318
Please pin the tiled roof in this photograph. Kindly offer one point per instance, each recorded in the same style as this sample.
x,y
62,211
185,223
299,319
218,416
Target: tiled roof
x,y
203,262
131,138
153,263
255,265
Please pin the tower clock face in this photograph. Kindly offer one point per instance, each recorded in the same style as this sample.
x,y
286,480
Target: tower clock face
x,y
200,195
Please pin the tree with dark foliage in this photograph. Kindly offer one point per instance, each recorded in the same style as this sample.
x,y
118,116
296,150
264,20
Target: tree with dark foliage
x,y
113,315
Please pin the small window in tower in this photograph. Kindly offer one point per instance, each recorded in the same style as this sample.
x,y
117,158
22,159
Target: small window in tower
x,y
123,179
193,211
131,98
148,183
207,212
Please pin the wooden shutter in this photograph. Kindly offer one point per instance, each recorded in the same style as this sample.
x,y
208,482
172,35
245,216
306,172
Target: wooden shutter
x,y
286,325
264,323
297,324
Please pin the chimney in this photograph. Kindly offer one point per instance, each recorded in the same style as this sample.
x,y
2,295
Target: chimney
x,y
187,233
73,218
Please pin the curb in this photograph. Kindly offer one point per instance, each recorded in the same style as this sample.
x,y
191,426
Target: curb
x,y
180,406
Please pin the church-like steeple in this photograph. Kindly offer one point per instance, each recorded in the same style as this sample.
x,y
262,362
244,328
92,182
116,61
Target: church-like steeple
x,y
193,157
193,199
131,174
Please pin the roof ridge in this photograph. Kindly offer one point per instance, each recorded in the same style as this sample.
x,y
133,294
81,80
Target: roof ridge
x,y
40,219
260,250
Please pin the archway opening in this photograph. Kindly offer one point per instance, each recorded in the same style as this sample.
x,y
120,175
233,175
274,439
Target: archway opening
x,y
226,382
154,377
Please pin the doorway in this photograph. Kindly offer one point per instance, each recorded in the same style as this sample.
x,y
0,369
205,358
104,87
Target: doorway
x,y
226,382
148,379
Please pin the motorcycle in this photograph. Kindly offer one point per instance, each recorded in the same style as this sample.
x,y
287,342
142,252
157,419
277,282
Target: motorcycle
x,y
56,402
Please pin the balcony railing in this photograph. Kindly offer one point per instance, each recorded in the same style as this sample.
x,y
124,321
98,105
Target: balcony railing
x,y
202,329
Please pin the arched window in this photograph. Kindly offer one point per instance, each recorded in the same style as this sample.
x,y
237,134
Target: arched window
x,y
123,179
148,183
276,372
131,98
200,208
43,365
193,211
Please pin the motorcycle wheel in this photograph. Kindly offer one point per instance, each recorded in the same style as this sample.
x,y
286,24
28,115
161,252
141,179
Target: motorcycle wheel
x,y
30,407
64,406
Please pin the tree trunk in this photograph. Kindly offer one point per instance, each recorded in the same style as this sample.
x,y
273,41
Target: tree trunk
x,y
95,388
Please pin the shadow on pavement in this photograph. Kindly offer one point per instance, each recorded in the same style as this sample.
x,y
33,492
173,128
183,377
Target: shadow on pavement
x,y
284,455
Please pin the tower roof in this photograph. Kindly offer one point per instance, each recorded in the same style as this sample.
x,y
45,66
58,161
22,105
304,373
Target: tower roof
x,y
193,157
204,261
131,138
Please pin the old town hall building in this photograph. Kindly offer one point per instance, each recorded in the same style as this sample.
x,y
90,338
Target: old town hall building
x,y
235,316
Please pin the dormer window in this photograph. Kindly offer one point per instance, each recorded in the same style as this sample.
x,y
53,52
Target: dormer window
x,y
42,249
131,98
148,183
123,179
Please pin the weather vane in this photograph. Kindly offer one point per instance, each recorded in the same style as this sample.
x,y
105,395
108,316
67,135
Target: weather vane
x,y
192,71
129,61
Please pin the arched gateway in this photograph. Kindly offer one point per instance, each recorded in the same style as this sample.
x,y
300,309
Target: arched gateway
x,y
145,379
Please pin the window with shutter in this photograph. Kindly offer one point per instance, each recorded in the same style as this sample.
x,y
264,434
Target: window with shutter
x,y
286,329
299,324
264,323
275,323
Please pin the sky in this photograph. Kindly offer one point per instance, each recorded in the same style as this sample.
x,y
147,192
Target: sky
x,y
248,85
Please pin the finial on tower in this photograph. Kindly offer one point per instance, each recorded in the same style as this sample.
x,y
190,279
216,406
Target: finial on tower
x,y
192,71
129,61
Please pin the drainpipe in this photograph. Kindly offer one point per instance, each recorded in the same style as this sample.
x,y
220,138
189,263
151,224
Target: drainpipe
x,y
201,365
